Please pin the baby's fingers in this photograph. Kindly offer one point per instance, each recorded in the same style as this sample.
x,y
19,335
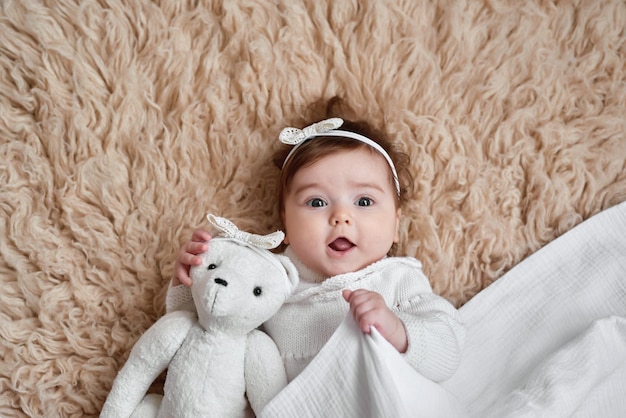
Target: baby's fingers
x,y
201,235
181,276
193,248
366,307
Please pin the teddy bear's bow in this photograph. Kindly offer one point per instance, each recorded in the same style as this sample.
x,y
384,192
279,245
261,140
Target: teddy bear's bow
x,y
230,230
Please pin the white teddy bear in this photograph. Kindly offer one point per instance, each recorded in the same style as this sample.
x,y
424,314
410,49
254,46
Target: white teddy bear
x,y
217,360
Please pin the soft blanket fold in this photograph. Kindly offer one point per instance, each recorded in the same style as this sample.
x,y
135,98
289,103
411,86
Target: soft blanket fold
x,y
361,375
560,386
538,326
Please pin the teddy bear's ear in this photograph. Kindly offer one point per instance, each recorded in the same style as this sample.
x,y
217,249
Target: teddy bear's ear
x,y
290,269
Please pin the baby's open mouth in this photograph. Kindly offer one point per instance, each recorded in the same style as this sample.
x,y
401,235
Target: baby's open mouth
x,y
341,244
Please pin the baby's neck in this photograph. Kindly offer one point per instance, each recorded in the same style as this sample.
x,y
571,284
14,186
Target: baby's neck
x,y
305,273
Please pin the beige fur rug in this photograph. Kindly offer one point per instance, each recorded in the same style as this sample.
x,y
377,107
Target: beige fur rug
x,y
122,123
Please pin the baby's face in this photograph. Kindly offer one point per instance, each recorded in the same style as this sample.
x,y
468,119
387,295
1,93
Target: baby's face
x,y
340,212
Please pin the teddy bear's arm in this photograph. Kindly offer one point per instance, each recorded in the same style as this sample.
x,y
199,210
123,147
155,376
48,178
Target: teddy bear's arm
x,y
150,355
264,370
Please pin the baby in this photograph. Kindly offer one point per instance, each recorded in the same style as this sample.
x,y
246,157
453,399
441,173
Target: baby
x,y
341,190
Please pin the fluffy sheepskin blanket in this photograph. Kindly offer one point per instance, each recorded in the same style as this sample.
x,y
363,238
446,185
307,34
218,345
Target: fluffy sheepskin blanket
x,y
123,122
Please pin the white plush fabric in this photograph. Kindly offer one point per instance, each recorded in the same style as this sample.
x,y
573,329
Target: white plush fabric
x,y
218,363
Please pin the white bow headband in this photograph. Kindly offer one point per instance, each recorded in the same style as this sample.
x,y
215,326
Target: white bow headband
x,y
328,127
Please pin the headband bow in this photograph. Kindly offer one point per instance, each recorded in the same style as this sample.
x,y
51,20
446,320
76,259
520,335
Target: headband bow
x,y
295,136
230,230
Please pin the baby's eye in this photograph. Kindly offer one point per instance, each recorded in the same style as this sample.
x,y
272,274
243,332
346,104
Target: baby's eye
x,y
365,201
212,266
257,291
316,203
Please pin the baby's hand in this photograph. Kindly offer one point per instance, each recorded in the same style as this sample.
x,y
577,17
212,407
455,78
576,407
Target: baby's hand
x,y
369,309
187,256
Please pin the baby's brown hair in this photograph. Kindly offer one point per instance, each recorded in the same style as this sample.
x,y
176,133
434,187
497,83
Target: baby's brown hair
x,y
312,151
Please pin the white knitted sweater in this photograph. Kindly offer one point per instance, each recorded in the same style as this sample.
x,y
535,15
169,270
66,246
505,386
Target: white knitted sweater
x,y
316,308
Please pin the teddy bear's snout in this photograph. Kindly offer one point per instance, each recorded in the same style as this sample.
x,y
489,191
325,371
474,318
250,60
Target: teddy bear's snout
x,y
221,282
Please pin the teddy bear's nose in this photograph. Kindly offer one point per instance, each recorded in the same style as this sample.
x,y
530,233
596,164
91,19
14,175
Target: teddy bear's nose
x,y
221,281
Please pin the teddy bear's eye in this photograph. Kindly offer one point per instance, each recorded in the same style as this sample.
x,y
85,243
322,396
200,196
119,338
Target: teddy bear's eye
x,y
212,266
257,291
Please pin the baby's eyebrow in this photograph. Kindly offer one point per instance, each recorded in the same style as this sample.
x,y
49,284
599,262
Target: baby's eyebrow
x,y
356,184
368,185
305,187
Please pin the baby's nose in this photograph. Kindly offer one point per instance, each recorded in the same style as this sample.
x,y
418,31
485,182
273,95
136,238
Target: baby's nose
x,y
340,217
221,281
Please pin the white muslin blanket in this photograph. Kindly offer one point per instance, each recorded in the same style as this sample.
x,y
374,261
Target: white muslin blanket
x,y
361,375
587,377
548,339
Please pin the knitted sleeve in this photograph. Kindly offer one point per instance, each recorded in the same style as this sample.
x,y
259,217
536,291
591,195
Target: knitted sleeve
x,y
435,333
179,298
